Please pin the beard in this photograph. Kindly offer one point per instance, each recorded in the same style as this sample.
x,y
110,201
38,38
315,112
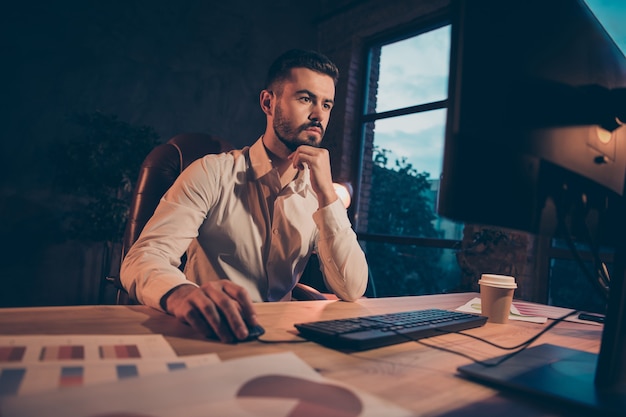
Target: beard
x,y
290,135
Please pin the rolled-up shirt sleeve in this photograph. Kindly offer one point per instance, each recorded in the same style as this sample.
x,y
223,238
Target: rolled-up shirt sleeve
x,y
342,260
150,269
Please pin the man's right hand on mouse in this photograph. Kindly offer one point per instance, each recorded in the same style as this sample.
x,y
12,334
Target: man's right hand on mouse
x,y
217,309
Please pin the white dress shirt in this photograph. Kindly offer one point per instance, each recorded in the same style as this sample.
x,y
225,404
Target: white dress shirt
x,y
235,221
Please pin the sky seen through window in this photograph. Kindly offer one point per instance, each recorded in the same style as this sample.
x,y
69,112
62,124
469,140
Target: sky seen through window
x,y
424,78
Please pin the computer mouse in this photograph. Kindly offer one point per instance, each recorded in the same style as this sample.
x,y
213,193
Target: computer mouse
x,y
253,333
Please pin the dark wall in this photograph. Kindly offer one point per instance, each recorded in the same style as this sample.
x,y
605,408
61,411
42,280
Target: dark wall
x,y
189,65
175,66
193,65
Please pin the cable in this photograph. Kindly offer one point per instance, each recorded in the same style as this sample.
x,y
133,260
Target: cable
x,y
517,349
601,281
601,268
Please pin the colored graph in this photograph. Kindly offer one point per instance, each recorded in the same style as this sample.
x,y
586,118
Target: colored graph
x,y
12,353
119,351
276,385
51,353
36,363
46,348
314,398
10,380
71,376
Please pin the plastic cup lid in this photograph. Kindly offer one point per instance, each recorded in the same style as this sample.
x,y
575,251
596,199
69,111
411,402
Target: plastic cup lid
x,y
500,281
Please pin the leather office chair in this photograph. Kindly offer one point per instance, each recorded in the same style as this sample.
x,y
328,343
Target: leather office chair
x,y
158,172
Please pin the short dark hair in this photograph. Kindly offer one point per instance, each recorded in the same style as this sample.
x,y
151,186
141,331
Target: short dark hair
x,y
299,58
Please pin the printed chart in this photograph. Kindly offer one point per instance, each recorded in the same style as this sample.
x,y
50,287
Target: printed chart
x,y
46,348
32,364
276,385
523,311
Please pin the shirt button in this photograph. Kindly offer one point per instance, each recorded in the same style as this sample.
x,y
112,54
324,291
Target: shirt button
x,y
275,231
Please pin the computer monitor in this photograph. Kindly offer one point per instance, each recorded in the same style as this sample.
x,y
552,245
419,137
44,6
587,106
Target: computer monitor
x,y
534,142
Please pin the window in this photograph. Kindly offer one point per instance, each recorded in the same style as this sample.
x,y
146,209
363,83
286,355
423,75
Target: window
x,y
410,249
403,130
569,282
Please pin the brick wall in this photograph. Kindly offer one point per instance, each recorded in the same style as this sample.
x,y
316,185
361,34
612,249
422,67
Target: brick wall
x,y
186,66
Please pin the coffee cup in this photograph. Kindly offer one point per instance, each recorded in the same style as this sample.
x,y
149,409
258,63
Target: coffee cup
x,y
496,296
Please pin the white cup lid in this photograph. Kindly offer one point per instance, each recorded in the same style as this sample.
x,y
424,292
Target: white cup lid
x,y
500,281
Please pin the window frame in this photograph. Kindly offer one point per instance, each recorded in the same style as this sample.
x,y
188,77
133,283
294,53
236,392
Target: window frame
x,y
363,118
542,249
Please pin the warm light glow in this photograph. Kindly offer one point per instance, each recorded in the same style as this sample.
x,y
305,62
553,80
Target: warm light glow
x,y
344,194
603,135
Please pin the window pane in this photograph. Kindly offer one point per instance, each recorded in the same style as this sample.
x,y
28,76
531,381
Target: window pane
x,y
412,270
403,178
417,139
568,284
570,288
414,71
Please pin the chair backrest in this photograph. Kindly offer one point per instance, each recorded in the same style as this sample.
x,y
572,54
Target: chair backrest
x,y
158,172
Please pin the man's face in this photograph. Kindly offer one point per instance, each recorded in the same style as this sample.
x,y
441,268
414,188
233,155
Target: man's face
x,y
303,108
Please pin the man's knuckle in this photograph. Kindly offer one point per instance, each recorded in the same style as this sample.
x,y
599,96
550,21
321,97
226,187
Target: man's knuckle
x,y
187,315
225,304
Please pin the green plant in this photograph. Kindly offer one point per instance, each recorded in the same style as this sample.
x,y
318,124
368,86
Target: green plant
x,y
96,172
401,207
487,249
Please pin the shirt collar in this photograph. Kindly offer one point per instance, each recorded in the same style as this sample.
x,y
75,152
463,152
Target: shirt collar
x,y
259,160
262,165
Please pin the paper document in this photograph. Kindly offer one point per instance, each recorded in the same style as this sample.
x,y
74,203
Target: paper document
x,y
273,385
533,312
82,348
473,306
17,379
37,363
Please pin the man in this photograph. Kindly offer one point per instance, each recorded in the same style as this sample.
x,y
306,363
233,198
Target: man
x,y
250,219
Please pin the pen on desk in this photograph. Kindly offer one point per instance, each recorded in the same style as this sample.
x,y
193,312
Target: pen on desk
x,y
591,317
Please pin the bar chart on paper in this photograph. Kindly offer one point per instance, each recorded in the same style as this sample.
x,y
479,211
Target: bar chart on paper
x,y
30,364
277,384
46,348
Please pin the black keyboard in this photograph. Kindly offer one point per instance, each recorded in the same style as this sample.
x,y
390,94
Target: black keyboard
x,y
368,332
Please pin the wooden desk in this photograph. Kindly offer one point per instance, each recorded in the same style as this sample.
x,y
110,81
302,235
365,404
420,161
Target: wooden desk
x,y
411,375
